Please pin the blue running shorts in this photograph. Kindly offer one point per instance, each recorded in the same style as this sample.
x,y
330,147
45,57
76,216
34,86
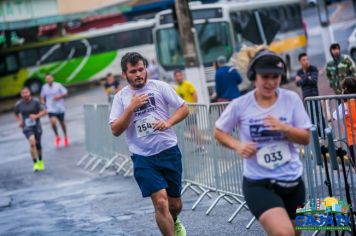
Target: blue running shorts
x,y
160,171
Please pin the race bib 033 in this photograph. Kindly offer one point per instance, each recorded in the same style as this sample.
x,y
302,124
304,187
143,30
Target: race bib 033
x,y
274,155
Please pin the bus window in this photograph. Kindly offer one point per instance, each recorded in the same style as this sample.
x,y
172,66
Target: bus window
x,y
77,48
11,64
28,57
214,41
134,38
99,44
51,53
270,25
245,28
168,48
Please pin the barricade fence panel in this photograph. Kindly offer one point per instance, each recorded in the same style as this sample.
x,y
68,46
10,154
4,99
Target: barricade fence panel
x,y
99,140
210,165
338,113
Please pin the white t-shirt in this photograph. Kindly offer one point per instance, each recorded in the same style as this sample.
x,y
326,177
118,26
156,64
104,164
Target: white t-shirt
x,y
245,114
49,92
161,98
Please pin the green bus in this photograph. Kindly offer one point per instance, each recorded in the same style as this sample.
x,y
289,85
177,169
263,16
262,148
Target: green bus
x,y
73,59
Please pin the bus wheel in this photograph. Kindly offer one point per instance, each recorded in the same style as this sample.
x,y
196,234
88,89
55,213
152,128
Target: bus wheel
x,y
34,85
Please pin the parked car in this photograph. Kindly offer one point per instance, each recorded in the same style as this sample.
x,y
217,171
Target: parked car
x,y
352,44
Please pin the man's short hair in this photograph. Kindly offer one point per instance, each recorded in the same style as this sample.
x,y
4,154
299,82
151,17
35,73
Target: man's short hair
x,y
24,88
303,54
221,60
133,58
176,71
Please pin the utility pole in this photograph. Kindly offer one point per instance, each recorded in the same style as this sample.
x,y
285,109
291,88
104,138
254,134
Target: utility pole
x,y
194,70
326,31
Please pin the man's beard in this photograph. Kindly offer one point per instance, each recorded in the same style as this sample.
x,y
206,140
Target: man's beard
x,y
137,86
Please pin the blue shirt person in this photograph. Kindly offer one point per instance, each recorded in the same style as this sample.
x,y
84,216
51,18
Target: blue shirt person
x,y
226,81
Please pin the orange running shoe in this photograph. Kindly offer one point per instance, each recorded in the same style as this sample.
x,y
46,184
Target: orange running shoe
x,y
58,141
66,142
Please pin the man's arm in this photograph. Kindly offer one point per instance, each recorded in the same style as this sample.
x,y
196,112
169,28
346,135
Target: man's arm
x,y
41,113
352,67
179,115
236,75
63,91
299,78
313,78
19,120
195,97
119,125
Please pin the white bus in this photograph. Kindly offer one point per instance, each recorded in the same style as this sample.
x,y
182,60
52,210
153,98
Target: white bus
x,y
223,28
73,59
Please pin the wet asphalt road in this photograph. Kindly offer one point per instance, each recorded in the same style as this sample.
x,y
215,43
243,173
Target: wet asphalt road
x,y
68,200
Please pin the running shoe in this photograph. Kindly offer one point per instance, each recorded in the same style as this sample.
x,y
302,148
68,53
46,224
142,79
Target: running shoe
x,y
40,165
58,141
179,228
35,167
66,142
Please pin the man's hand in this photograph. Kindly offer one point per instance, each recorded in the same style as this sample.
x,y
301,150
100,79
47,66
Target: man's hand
x,y
298,78
33,117
161,125
137,101
57,97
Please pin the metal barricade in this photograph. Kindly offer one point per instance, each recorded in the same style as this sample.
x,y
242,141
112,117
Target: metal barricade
x,y
336,114
101,146
208,167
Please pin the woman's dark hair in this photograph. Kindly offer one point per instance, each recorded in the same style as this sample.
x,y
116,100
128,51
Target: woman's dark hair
x,y
133,58
349,85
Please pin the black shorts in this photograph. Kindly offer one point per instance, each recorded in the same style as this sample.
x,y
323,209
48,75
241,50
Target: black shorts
x,y
262,195
60,116
36,131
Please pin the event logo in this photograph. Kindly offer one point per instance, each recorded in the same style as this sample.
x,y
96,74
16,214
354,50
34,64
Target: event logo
x,y
326,214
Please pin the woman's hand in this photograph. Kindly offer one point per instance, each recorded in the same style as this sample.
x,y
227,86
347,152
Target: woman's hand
x,y
246,150
275,124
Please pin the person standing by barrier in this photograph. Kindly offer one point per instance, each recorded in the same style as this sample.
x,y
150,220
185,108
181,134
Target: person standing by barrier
x,y
111,86
187,92
347,111
271,120
52,94
307,79
227,80
338,68
142,110
28,112
152,70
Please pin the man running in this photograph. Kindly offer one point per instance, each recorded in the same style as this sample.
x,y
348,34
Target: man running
x,y
28,112
52,94
142,110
